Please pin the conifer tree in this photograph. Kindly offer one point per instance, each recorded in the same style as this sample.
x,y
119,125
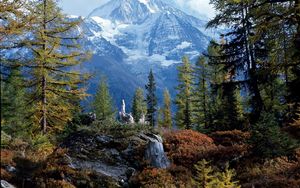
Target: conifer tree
x,y
268,140
103,103
225,103
201,94
216,78
14,109
229,108
280,22
166,110
160,117
139,106
53,83
225,179
151,99
184,96
204,176
239,51
16,19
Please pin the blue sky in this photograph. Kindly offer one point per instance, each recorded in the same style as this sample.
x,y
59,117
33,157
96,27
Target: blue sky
x,y
84,7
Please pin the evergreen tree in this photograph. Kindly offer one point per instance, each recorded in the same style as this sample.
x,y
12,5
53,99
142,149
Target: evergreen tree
x,y
216,78
151,99
139,106
184,95
225,110
204,176
229,108
160,118
268,141
201,94
103,103
225,179
53,83
16,19
278,23
14,109
238,51
166,110
241,107
264,44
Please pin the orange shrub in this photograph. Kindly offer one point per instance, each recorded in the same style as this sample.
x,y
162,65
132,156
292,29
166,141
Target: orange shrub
x,y
229,138
279,172
186,147
181,175
7,157
153,178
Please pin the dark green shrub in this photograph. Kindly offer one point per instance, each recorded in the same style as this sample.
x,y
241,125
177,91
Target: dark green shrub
x,y
268,140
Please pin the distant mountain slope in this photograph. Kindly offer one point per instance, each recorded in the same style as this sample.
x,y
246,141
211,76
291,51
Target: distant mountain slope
x,y
128,37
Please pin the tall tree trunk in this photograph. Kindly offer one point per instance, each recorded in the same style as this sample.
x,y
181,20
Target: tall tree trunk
x,y
204,101
44,81
251,64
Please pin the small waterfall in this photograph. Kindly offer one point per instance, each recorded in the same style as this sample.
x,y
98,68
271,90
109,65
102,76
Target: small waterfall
x,y
155,152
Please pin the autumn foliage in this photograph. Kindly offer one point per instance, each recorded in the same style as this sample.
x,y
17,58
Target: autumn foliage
x,y
153,178
229,138
186,147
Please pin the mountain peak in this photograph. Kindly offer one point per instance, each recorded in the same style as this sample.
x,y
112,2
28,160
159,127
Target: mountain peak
x,y
128,11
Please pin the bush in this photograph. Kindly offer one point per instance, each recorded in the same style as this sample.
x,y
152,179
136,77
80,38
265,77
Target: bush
x,y
153,178
187,147
279,172
5,139
268,140
230,138
42,145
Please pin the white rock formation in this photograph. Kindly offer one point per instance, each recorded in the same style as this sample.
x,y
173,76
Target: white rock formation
x,y
125,117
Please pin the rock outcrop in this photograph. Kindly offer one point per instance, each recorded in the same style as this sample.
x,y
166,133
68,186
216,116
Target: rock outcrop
x,y
155,151
117,157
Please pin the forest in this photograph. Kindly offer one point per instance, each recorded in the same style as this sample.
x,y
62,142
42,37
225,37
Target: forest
x,y
234,122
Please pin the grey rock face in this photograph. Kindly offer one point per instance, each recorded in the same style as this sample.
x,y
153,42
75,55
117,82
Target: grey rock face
x,y
155,152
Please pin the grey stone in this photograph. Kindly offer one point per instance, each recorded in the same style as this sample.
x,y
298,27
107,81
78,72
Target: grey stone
x,y
155,152
5,184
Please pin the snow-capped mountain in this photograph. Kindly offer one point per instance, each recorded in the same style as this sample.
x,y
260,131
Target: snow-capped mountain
x,y
147,30
136,35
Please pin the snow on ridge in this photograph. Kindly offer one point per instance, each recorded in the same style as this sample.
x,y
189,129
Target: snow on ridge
x,y
146,2
110,29
162,59
73,16
183,45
